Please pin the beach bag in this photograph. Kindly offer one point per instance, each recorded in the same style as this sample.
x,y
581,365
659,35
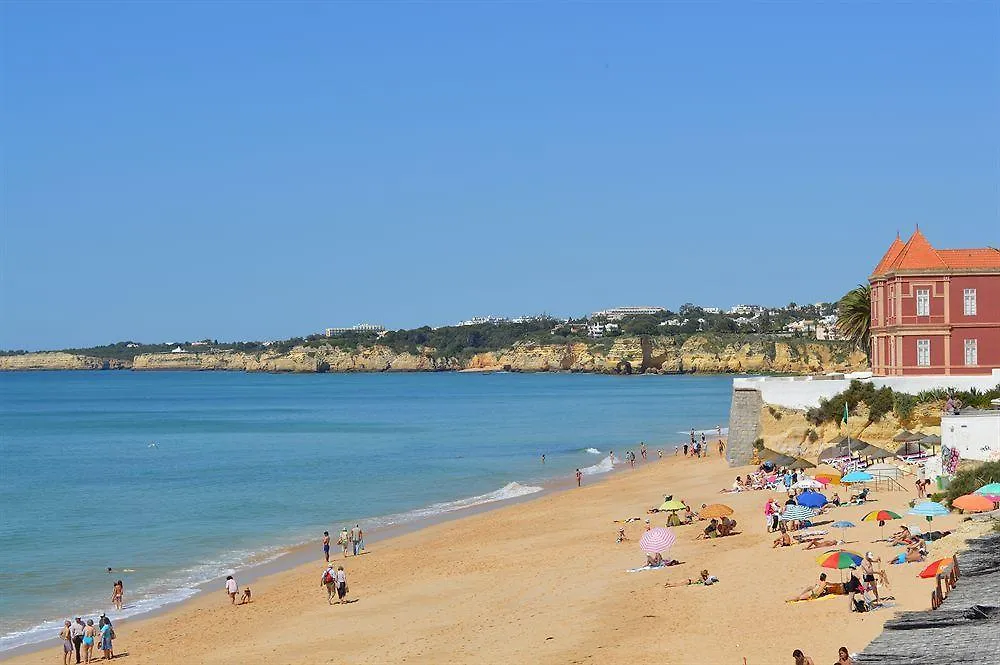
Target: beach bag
x,y
327,578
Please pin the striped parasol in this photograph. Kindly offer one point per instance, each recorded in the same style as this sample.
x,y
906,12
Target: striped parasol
x,y
657,540
796,512
973,503
937,567
716,510
880,516
839,559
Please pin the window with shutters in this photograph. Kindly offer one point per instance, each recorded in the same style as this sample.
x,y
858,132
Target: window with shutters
x,y
924,352
923,302
971,352
969,300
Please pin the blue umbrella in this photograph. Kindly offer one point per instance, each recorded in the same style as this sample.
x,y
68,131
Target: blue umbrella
x,y
811,499
843,525
929,509
857,477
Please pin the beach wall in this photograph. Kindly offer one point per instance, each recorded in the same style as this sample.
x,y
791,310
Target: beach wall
x,y
744,425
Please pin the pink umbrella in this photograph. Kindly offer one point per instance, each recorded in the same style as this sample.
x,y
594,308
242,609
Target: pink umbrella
x,y
657,541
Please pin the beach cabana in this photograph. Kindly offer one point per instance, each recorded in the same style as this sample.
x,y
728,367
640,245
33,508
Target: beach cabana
x,y
801,463
907,435
874,452
833,452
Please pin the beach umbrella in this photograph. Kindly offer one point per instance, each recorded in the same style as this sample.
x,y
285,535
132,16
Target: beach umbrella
x,y
907,435
973,503
857,477
880,516
937,567
839,559
808,484
811,499
672,504
843,525
797,512
657,540
715,510
929,509
990,490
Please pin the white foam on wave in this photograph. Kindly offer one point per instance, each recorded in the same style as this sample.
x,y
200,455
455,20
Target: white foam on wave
x,y
592,451
148,597
603,466
508,491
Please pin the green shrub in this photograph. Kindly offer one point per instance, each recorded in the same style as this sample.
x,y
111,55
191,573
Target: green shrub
x,y
969,480
812,435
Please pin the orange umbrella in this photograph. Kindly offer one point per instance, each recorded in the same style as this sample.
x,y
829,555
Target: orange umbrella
x,y
938,566
973,503
715,510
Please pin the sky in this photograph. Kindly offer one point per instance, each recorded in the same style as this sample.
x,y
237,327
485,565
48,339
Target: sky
x,y
237,171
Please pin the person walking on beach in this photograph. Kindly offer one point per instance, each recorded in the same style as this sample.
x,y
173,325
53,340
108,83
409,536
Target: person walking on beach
x,y
341,585
76,632
89,636
329,580
344,540
722,447
66,635
868,572
231,588
579,478
361,539
356,539
326,546
642,450
118,595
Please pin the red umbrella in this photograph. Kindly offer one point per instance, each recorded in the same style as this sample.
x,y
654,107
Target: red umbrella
x,y
937,567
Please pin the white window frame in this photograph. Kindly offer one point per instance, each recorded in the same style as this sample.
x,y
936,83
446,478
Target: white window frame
x,y
923,298
971,352
923,353
969,302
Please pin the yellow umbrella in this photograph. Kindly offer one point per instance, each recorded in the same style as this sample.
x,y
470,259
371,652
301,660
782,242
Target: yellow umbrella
x,y
715,510
673,504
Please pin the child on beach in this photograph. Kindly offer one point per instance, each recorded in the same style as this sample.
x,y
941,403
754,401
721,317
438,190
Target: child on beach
x,y
246,597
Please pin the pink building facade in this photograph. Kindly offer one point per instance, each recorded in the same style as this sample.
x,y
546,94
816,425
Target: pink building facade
x,y
935,311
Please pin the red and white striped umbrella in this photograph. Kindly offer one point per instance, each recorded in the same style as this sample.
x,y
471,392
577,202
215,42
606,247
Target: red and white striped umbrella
x,y
657,540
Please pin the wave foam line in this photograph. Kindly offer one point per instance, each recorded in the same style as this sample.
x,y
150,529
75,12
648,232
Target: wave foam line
x,y
508,491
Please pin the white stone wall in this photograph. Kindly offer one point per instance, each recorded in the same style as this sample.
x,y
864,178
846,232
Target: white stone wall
x,y
976,435
803,392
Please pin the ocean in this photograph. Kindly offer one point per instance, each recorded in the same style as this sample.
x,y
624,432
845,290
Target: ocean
x,y
173,479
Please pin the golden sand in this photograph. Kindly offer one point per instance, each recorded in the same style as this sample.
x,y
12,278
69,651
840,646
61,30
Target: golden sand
x,y
543,581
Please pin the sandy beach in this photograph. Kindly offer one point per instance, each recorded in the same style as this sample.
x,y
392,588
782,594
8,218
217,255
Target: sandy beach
x,y
543,581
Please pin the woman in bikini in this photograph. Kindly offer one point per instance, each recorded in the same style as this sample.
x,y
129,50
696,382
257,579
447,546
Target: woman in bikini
x,y
784,540
118,595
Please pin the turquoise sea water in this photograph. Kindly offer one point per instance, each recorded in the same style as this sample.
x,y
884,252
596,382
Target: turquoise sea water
x,y
245,465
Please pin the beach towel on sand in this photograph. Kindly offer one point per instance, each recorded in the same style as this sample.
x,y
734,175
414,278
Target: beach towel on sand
x,y
639,570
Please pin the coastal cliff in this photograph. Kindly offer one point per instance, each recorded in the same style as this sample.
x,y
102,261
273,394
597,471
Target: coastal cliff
x,y
698,353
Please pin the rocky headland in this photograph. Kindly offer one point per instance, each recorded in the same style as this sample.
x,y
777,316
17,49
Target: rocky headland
x,y
623,355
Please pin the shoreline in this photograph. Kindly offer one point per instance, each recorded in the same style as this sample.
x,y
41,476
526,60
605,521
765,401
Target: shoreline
x,y
285,558
541,579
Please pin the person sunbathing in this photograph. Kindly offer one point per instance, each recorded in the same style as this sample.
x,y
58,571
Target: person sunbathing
x,y
861,497
913,554
821,588
784,540
704,578
654,560
901,537
727,527
711,531
835,500
816,543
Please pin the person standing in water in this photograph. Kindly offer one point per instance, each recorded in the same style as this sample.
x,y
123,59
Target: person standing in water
x,y
326,545
579,478
118,595
543,458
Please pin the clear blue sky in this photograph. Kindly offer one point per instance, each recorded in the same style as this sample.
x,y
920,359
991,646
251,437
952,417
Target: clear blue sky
x,y
178,170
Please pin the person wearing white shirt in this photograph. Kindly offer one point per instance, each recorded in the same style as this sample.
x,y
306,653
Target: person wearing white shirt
x,y
232,588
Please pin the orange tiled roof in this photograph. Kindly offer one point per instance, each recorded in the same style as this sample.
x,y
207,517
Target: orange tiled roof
x,y
918,254
894,249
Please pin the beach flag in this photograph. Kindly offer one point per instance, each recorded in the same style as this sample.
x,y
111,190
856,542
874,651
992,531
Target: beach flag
x,y
845,413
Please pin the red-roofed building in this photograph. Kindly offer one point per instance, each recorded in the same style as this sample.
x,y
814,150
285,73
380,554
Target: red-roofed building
x,y
935,311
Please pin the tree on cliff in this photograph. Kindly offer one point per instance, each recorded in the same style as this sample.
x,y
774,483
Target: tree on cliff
x,y
854,317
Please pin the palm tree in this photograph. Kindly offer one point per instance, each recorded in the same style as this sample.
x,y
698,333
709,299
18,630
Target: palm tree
x,y
854,317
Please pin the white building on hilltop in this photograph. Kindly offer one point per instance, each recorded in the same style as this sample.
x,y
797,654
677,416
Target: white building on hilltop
x,y
619,313
481,320
359,328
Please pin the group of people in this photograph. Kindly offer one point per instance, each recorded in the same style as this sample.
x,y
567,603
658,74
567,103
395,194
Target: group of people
x,y
335,582
350,540
843,657
699,447
80,638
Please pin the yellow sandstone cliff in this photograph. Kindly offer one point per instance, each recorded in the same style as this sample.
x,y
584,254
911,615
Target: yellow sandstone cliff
x,y
623,354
